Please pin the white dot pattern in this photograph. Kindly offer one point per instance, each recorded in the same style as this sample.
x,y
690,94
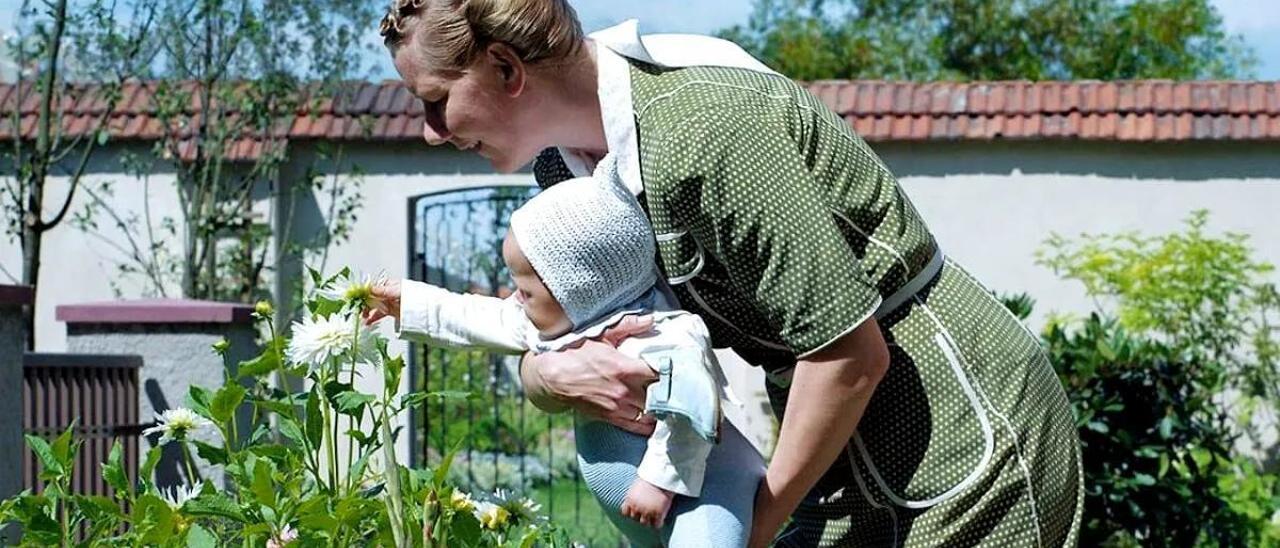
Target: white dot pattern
x,y
792,231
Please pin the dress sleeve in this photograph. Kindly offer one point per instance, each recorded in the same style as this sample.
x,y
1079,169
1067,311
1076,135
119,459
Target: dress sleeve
x,y
741,182
434,315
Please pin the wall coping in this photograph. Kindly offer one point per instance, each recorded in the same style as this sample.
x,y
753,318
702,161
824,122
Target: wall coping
x,y
155,311
93,361
17,294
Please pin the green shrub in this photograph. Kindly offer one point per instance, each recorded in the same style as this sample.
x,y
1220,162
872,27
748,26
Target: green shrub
x,y
1183,321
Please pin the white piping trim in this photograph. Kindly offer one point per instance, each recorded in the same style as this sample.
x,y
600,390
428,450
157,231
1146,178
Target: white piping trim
x,y
798,104
697,269
901,260
855,325
778,539
1013,436
988,437
668,236
866,493
698,299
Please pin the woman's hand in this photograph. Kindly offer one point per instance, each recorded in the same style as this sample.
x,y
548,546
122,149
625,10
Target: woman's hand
x,y
386,301
830,390
594,378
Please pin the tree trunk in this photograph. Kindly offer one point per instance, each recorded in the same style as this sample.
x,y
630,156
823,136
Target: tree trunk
x,y
33,227
31,240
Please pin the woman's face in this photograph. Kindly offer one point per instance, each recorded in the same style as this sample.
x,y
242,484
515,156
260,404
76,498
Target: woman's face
x,y
481,108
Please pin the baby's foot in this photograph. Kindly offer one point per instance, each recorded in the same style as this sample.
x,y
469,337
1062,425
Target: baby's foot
x,y
647,503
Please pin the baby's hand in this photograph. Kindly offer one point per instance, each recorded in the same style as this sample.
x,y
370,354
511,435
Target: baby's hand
x,y
647,504
386,301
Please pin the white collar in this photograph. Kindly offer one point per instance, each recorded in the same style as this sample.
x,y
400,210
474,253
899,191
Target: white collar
x,y
653,302
621,42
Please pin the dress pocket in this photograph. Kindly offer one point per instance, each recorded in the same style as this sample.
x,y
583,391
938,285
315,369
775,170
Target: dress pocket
x,y
926,436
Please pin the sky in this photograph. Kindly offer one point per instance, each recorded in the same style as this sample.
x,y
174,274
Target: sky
x,y
1258,21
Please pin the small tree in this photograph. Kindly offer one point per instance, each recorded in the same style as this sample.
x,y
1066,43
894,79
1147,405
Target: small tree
x,y
993,39
55,43
234,75
230,80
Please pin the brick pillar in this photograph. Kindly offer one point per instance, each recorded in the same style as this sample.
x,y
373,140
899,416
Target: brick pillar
x,y
13,340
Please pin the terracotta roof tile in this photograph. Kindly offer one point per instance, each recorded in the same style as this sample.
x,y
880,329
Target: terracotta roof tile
x,y
1159,110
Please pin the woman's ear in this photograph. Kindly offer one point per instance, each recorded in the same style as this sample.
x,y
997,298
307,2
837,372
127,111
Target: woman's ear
x,y
510,67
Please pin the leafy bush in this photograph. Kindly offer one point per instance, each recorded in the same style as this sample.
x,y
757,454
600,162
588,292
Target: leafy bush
x,y
286,484
1184,321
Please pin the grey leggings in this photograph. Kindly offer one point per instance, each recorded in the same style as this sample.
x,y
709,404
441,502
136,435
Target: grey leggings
x,y
720,517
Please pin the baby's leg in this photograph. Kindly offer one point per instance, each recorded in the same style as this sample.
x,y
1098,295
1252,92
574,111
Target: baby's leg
x,y
608,457
721,517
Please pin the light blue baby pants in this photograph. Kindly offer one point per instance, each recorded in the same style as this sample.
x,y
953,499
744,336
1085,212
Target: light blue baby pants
x,y
720,517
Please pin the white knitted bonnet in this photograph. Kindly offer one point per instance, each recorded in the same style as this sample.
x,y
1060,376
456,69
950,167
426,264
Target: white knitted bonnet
x,y
591,243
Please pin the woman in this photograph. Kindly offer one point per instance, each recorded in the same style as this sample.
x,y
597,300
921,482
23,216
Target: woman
x,y
925,414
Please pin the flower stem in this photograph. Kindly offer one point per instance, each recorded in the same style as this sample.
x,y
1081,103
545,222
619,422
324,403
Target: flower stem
x,y
355,345
330,451
395,514
186,457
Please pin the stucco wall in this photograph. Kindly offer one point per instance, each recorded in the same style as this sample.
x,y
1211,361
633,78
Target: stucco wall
x,y
991,206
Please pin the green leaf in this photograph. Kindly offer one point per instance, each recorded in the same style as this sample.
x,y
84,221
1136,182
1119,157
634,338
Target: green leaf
x,y
442,469
415,399
314,513
352,403
35,514
113,471
1164,465
103,137
213,454
198,537
1144,479
466,528
392,369
315,421
153,520
149,465
198,401
1105,350
48,462
263,488
217,505
1166,427
278,407
357,468
1202,457
100,507
226,401
265,363
293,432
321,521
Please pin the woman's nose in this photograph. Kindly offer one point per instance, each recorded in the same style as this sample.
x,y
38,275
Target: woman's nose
x,y
435,136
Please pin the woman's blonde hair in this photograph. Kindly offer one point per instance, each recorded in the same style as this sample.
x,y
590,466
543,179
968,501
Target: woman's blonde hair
x,y
455,31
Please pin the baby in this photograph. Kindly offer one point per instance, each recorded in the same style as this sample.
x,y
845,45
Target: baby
x,y
581,255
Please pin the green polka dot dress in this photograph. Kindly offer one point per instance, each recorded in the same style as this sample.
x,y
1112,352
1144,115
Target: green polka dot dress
x,y
781,227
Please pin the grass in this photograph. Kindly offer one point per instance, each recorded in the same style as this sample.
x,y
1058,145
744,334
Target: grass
x,y
570,505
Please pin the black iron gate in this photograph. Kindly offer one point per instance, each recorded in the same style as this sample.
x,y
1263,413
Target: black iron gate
x,y
501,441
